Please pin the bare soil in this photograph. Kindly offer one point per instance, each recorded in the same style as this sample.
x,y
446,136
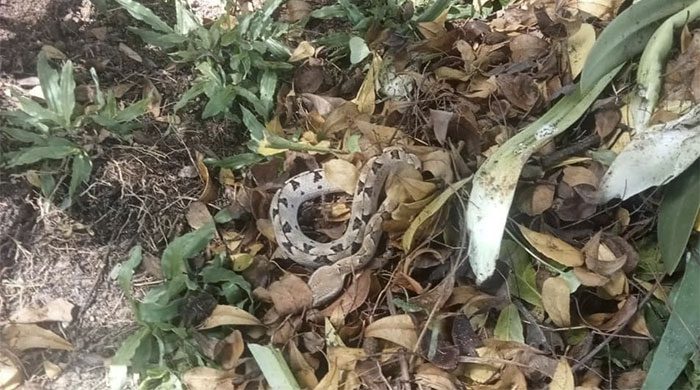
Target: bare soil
x,y
137,193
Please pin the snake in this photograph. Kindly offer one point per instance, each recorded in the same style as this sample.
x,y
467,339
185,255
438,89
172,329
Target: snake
x,y
333,260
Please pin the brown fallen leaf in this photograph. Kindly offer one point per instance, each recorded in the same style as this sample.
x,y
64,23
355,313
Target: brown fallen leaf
x,y
209,192
399,329
342,174
600,258
366,95
52,370
151,93
198,215
555,299
353,297
230,350
303,51
207,378
59,310
577,175
229,315
563,378
578,46
290,295
431,377
588,278
130,52
302,370
11,370
53,53
552,247
440,120
27,336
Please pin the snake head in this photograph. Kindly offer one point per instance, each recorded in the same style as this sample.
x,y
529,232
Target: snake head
x,y
325,283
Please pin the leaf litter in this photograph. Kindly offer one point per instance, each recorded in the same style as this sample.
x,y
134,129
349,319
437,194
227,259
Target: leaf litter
x,y
412,317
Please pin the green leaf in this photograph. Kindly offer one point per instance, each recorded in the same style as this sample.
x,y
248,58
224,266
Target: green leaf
x,y
81,169
66,101
174,259
274,367
195,90
328,12
128,349
186,20
49,81
37,112
626,36
677,214
509,327
23,135
132,112
358,49
521,281
219,102
257,130
37,153
126,270
164,41
145,15
433,11
268,83
679,340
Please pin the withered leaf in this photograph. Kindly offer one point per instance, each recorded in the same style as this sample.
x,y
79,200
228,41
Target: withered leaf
x,y
229,315
27,336
555,299
55,310
554,248
290,294
399,329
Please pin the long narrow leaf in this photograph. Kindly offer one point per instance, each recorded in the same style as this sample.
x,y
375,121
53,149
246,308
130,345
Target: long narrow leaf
x,y
626,36
38,153
680,338
48,78
145,15
66,101
496,180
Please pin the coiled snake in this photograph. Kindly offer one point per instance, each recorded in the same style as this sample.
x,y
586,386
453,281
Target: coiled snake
x,y
358,244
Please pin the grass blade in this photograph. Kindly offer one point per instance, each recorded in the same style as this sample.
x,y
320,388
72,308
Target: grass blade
x,y
274,368
145,15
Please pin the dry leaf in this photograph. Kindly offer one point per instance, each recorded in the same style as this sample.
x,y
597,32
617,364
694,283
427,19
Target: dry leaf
x,y
10,370
553,248
353,297
399,329
435,27
297,10
230,350
579,45
555,299
130,52
52,370
303,51
341,174
588,278
99,32
484,372
198,215
229,315
209,192
207,378
575,175
407,186
26,336
59,310
290,295
301,369
440,121
154,97
366,95
430,377
563,378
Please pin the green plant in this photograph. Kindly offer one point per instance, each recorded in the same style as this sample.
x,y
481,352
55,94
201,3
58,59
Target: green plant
x,y
54,134
236,62
165,343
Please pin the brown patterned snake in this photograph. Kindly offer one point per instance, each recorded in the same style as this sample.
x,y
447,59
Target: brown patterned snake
x,y
358,244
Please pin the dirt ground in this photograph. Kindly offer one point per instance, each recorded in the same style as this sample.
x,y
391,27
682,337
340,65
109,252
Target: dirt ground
x,y
137,192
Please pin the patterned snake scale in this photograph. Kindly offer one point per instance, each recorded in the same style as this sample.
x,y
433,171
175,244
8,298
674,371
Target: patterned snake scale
x,y
358,244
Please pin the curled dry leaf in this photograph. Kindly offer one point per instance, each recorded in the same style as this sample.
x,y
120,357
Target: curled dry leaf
x,y
600,259
302,370
230,350
130,52
588,278
342,174
198,215
366,95
52,370
579,45
407,185
303,51
229,315
399,329
431,377
207,378
10,370
59,310
209,193
563,378
27,336
485,371
440,121
290,295
552,247
555,299
353,297
627,309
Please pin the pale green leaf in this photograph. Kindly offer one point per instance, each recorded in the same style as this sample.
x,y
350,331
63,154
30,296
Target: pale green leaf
x,y
128,348
358,49
49,80
273,366
66,98
509,327
680,338
521,281
81,169
145,15
677,214
38,153
219,102
125,271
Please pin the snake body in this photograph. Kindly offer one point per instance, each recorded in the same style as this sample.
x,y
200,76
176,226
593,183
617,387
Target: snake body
x,y
333,260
